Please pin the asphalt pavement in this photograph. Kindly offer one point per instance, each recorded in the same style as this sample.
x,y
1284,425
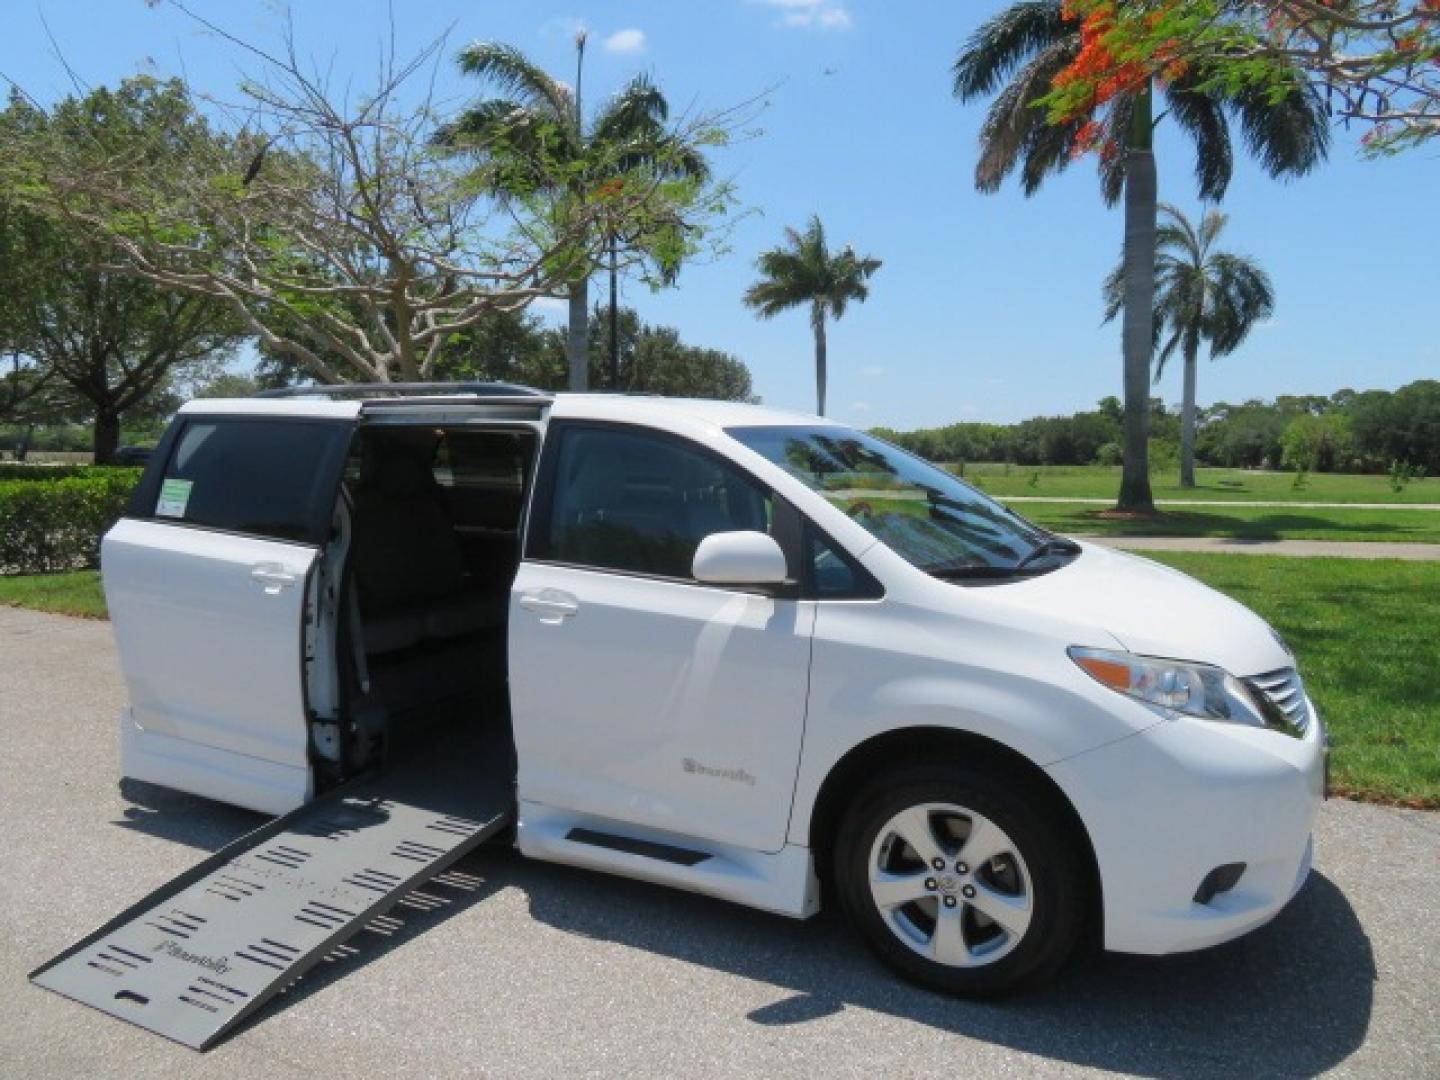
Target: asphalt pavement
x,y
527,969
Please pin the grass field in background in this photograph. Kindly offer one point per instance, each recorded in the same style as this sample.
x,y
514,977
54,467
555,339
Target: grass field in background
x,y
1103,482
1367,634
1243,522
1367,638
75,593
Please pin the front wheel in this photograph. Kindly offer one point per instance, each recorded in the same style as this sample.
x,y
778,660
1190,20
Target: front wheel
x,y
962,881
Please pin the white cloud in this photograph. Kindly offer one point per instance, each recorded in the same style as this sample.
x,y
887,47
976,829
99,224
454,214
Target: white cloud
x,y
859,406
872,371
1268,324
628,40
812,14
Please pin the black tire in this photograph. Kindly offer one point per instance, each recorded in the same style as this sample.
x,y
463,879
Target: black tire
x,y
1042,837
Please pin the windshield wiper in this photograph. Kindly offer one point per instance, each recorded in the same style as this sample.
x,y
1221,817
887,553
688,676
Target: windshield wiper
x,y
1051,545
959,572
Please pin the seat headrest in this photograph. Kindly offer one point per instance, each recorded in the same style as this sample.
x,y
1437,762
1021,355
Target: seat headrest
x,y
403,474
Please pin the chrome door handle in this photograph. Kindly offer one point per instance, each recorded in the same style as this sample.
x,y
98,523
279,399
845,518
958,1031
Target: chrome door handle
x,y
272,576
550,604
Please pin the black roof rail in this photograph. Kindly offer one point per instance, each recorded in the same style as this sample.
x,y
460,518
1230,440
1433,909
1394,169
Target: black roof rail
x,y
400,389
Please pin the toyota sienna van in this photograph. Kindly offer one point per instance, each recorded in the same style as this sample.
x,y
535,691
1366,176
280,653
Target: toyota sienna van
x,y
752,654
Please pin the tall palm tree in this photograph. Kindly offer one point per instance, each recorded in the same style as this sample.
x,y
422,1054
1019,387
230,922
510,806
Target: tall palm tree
x,y
532,136
805,271
1016,55
1202,296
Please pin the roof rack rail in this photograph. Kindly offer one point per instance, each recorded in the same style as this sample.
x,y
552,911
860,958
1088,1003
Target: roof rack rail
x,y
415,389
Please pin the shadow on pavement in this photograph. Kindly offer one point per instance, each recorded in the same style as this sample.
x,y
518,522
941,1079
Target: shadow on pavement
x,y
1291,999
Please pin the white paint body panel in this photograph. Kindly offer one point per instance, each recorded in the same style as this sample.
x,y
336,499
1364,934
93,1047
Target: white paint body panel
x,y
212,660
617,680
657,703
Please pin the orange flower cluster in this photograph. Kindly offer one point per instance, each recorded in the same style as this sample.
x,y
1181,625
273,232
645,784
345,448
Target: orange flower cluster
x,y
1102,75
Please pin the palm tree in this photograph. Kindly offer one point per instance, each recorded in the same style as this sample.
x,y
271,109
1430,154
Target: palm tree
x,y
805,271
1201,296
1018,53
532,137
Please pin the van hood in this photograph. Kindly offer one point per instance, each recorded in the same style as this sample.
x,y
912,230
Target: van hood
x,y
1153,610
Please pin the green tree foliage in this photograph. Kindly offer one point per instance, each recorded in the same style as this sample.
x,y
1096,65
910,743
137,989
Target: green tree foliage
x,y
1367,431
1313,443
517,347
532,137
99,342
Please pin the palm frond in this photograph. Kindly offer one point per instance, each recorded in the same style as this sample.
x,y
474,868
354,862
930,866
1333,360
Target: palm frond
x,y
1201,116
1012,122
1004,42
514,74
1289,137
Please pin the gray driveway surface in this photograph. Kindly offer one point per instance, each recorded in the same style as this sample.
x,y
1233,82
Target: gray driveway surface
x,y
538,970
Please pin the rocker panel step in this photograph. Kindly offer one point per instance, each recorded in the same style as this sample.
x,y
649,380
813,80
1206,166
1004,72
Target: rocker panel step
x,y
201,954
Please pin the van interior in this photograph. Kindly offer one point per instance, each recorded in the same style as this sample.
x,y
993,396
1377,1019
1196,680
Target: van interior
x,y
413,591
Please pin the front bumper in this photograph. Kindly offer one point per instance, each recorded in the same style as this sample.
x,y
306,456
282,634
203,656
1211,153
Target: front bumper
x,y
1170,804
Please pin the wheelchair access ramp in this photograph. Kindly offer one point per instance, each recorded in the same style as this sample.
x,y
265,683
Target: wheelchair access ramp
x,y
203,953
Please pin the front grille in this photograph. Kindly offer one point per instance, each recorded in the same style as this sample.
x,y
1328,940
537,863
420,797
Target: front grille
x,y
1285,694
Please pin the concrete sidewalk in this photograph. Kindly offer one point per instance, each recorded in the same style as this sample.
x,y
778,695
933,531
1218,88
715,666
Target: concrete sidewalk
x,y
1336,549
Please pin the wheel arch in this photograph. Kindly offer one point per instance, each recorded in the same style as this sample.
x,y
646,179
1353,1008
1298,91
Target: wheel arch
x,y
920,745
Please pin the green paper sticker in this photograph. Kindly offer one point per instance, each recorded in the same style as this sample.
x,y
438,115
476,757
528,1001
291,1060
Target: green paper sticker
x,y
174,495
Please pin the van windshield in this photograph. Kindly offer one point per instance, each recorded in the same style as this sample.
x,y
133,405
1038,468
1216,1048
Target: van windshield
x,y
933,519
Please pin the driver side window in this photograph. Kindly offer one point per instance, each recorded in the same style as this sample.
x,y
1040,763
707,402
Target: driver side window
x,y
634,501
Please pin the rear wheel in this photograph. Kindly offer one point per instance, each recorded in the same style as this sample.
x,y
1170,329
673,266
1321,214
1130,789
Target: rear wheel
x,y
962,881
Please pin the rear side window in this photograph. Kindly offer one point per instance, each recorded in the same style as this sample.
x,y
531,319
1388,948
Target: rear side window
x,y
633,501
270,478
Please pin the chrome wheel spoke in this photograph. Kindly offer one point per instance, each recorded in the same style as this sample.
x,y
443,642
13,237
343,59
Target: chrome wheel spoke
x,y
984,842
893,890
1011,913
914,827
947,943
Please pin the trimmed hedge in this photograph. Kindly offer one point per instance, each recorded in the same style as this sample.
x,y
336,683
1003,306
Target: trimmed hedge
x,y
52,525
12,470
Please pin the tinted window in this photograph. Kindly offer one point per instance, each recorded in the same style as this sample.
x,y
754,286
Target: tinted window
x,y
833,575
272,478
638,502
933,519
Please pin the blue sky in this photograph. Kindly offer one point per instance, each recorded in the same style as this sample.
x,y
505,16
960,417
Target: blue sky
x,y
987,306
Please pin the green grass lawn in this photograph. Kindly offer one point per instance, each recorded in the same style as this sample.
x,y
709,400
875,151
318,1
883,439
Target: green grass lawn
x,y
1243,522
1367,637
76,593
1367,634
1103,482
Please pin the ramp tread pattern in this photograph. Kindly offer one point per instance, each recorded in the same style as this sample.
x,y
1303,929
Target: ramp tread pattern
x,y
196,958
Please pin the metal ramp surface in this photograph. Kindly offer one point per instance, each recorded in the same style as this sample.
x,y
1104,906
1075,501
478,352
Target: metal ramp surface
x,y
201,954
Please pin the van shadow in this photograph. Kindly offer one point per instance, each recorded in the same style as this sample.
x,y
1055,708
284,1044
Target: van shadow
x,y
1291,999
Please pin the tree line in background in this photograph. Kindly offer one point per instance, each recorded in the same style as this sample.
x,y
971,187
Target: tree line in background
x,y
510,346
1349,431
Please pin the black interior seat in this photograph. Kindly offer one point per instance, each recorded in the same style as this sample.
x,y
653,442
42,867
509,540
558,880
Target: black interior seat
x,y
407,560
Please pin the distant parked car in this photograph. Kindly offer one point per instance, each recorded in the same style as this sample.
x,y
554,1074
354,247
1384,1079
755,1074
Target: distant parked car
x,y
133,455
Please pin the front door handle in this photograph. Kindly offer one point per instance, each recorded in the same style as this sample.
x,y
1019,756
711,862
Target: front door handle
x,y
551,605
272,576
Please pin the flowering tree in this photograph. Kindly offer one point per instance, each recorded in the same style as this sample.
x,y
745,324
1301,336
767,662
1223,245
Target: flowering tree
x,y
1377,62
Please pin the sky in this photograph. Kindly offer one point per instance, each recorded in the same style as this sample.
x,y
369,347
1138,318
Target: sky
x,y
986,306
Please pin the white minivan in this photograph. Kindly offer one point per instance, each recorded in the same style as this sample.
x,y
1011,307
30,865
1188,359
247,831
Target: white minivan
x,y
753,654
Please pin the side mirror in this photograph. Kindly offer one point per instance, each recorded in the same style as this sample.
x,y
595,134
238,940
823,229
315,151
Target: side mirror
x,y
739,558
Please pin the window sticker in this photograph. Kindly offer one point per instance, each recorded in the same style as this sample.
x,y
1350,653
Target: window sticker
x,y
174,495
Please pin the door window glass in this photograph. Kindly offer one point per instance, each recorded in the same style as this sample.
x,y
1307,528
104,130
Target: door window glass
x,y
270,478
633,501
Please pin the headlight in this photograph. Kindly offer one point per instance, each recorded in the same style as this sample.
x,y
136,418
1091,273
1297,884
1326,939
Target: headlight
x,y
1172,686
